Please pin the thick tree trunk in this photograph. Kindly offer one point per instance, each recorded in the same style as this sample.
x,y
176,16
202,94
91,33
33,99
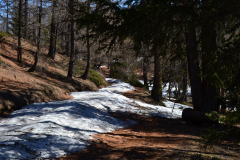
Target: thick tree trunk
x,y
19,56
51,53
192,115
210,101
156,82
33,68
194,70
70,68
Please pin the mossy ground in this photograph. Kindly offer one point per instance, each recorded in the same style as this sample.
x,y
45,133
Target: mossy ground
x,y
95,77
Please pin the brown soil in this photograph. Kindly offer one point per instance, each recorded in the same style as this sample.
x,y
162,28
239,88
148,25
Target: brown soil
x,y
152,138
19,87
105,70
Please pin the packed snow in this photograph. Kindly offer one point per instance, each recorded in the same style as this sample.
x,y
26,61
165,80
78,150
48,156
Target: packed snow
x,y
53,129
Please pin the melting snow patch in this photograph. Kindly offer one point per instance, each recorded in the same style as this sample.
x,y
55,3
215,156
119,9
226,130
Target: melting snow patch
x,y
50,130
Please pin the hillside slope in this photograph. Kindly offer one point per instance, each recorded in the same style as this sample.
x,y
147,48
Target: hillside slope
x,y
19,87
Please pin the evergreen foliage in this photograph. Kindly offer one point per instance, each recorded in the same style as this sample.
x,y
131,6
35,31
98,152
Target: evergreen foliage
x,y
162,25
15,19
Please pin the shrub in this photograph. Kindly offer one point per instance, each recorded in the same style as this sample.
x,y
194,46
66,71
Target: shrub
x,y
229,121
96,78
134,82
3,34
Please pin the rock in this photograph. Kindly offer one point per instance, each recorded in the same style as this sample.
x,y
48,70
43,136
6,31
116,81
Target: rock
x,y
192,115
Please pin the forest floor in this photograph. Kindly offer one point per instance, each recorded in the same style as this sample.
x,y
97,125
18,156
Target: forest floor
x,y
18,87
153,138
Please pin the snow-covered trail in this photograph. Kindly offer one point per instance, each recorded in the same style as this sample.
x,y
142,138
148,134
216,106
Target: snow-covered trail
x,y
50,130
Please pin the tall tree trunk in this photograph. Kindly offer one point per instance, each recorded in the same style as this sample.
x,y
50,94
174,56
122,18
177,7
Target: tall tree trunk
x,y
145,64
223,105
193,63
156,82
70,68
7,18
85,74
19,56
51,53
33,68
145,80
62,41
55,43
33,34
68,37
25,35
210,102
184,81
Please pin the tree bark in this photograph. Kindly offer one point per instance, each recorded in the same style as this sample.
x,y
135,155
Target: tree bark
x,y
67,37
25,35
223,105
19,56
51,53
33,68
210,101
7,18
144,65
184,82
193,62
156,82
85,74
55,43
145,80
70,68
193,65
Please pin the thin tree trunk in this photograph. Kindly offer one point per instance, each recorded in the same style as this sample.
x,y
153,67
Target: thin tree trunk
x,y
223,105
7,18
51,53
19,56
33,68
25,35
67,37
85,74
145,63
156,82
55,43
185,81
145,80
70,68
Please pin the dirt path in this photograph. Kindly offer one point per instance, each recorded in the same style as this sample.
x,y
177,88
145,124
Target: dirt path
x,y
151,138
